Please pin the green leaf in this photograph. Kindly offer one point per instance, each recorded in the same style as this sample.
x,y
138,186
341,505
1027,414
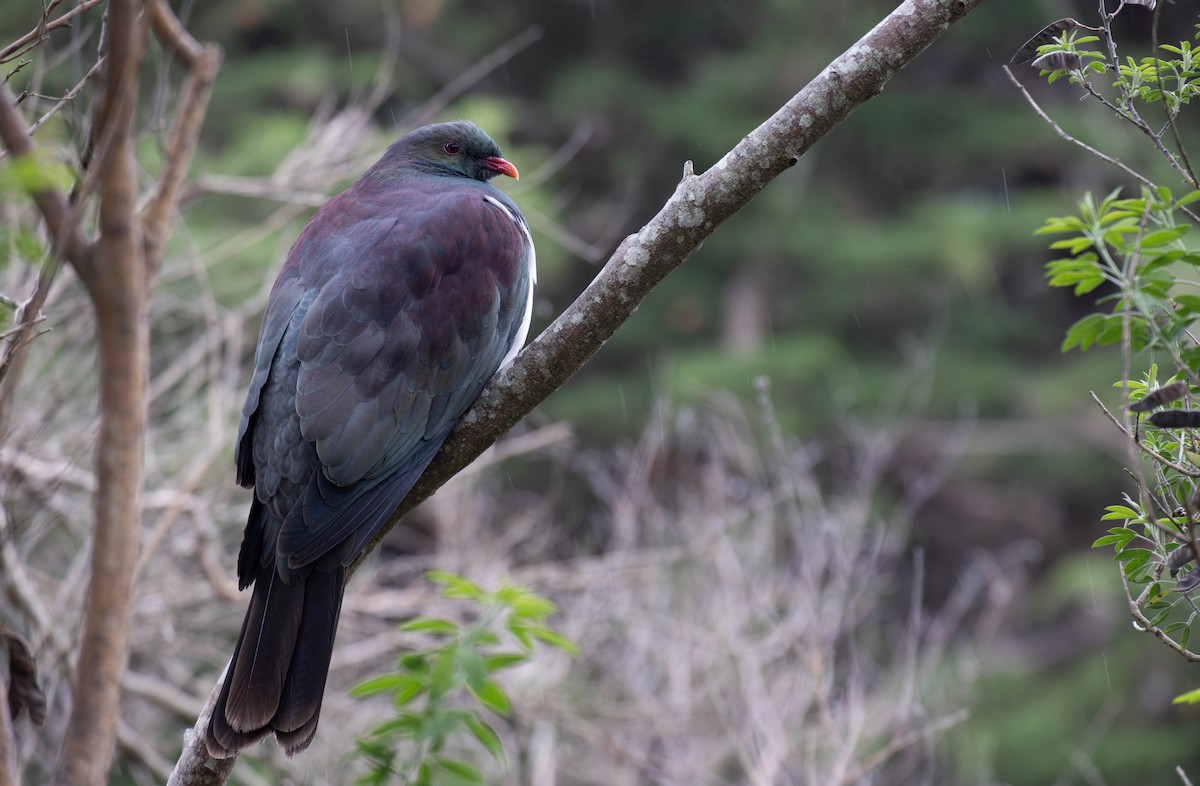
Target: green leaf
x,y
1073,244
554,639
1120,512
504,660
486,735
442,675
491,695
1162,615
403,725
455,586
408,689
1191,697
384,683
533,606
1162,260
459,770
521,633
1164,236
1135,559
1084,332
473,667
415,662
35,172
431,625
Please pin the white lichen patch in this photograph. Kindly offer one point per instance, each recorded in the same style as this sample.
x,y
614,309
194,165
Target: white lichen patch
x,y
637,255
691,217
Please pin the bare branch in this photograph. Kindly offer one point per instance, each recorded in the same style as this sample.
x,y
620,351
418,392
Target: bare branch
x,y
1138,176
168,29
68,96
464,81
202,61
38,34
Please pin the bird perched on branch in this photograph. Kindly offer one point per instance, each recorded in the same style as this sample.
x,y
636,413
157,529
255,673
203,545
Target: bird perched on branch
x,y
400,299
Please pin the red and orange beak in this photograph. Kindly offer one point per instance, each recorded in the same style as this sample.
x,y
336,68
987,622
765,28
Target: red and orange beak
x,y
498,164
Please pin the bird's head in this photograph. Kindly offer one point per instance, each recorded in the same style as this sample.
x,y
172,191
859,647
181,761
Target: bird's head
x,y
459,148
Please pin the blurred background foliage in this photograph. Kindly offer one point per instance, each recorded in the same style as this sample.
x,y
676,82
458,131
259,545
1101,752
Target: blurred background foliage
x,y
897,256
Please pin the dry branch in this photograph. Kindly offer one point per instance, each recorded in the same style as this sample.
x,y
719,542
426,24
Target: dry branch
x,y
202,61
698,206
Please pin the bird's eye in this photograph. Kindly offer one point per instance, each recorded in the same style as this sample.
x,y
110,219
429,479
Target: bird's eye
x,y
451,148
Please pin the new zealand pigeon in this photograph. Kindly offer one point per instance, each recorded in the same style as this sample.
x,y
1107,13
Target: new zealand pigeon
x,y
398,302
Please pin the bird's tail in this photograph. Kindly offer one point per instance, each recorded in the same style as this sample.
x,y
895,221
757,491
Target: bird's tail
x,y
272,684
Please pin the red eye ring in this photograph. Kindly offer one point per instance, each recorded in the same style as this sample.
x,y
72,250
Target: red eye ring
x,y
451,148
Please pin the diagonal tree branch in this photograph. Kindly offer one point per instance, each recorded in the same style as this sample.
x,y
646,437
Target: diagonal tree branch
x,y
699,205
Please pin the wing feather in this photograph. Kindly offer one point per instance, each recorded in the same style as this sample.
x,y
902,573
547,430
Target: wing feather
x,y
392,351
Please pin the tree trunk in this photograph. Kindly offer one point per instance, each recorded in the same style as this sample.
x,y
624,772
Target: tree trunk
x,y
118,285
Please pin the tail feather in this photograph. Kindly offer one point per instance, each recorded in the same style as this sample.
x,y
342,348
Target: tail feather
x,y
276,678
293,742
300,702
264,651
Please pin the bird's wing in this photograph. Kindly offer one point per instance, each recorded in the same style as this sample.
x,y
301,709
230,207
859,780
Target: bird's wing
x,y
281,308
394,348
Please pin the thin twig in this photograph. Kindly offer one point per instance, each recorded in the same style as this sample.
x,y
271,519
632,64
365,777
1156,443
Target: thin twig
x,y
1170,116
467,79
68,96
1142,624
38,34
902,741
202,61
1079,143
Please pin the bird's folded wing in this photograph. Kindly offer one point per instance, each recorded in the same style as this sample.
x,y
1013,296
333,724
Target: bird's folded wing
x,y
393,350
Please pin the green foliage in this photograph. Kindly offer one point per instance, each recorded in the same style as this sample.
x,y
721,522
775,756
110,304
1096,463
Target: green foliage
x,y
1130,244
1068,44
1139,255
23,176
32,173
428,687
1171,80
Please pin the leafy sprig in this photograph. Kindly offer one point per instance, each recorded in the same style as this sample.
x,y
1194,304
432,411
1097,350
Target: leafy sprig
x,y
430,687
